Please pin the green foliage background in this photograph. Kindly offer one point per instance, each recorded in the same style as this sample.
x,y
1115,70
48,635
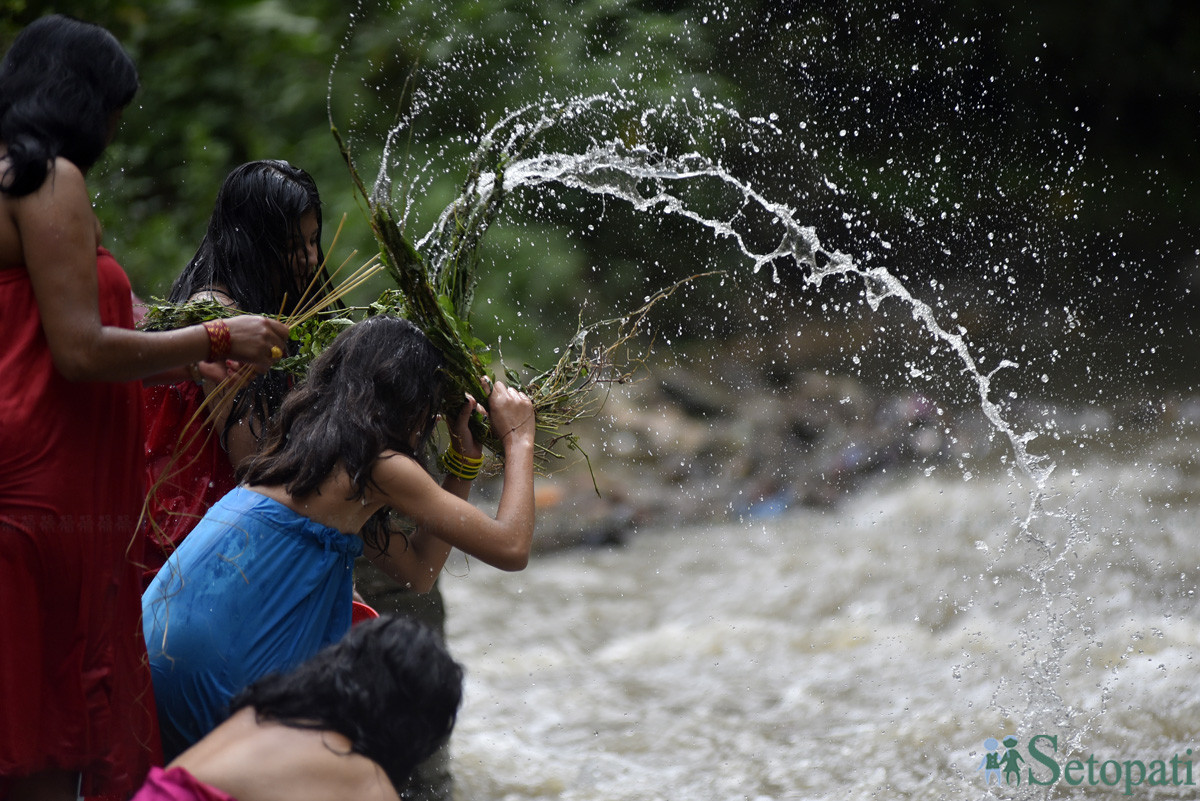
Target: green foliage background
x,y
1064,138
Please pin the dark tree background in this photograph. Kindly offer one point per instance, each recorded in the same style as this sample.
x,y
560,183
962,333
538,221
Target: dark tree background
x,y
1017,156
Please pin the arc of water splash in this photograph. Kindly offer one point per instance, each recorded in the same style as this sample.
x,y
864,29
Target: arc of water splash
x,y
500,143
627,174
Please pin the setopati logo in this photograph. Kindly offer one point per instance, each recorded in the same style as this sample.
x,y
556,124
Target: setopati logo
x,y
1003,761
996,761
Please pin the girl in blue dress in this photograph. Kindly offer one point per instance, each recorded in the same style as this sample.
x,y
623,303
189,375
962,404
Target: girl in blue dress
x,y
265,580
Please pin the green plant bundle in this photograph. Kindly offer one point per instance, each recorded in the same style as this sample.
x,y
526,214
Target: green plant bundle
x,y
164,316
436,290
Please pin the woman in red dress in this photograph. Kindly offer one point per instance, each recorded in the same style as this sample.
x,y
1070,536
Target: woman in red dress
x,y
76,711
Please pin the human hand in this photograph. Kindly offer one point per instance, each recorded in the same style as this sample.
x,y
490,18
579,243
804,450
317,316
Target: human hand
x,y
461,437
256,341
512,414
216,372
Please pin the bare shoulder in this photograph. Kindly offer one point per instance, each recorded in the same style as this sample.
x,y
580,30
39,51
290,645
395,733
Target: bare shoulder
x,y
62,199
65,181
272,762
215,293
402,480
327,767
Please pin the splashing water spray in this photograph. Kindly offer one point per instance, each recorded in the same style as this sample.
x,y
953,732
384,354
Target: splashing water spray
x,y
645,178
654,181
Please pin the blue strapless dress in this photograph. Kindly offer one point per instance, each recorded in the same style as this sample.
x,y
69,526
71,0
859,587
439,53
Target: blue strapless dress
x,y
254,589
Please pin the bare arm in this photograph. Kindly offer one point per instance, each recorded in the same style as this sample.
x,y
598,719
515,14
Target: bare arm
x,y
221,385
443,516
419,569
58,234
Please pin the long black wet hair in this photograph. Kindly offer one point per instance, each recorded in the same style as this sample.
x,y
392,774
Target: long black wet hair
x,y
60,83
377,385
246,254
389,686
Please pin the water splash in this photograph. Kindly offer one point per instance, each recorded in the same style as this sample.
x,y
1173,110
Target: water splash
x,y
654,182
657,161
643,178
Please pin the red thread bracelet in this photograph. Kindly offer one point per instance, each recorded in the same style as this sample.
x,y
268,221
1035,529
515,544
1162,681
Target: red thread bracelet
x,y
219,341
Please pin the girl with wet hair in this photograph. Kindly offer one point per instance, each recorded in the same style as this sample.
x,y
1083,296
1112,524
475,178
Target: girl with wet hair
x,y
76,713
261,254
353,721
265,580
263,243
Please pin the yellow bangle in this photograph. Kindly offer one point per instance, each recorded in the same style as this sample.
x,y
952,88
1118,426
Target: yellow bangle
x,y
459,466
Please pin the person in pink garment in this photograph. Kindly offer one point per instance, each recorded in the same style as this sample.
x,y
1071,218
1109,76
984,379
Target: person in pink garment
x,y
353,721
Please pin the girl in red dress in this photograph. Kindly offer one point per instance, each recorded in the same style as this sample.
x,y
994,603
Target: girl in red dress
x,y
261,254
77,713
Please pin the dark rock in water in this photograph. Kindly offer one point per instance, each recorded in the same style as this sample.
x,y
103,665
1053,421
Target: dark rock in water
x,y
571,516
684,449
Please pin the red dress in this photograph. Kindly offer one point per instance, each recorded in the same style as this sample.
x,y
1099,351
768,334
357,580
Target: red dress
x,y
187,470
75,691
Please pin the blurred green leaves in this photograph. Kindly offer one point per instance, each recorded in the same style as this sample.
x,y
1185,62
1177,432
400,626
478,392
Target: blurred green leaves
x,y
972,128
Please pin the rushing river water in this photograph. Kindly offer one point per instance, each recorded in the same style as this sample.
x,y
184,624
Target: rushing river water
x,y
1018,630
866,651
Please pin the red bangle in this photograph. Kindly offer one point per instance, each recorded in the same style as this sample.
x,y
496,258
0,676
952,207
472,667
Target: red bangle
x,y
219,343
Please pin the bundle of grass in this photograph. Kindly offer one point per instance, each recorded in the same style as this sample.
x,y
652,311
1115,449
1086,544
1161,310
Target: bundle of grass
x,y
435,289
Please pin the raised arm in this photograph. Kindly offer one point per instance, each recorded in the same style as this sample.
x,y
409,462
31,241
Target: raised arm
x,y
59,238
418,564
443,516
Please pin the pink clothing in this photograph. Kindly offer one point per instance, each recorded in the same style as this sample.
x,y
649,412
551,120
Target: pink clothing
x,y
176,784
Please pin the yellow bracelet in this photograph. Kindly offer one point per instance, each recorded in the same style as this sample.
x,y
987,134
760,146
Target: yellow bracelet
x,y
459,466
465,474
466,461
